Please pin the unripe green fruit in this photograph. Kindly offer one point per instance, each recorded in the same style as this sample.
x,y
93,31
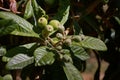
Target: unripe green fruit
x,y
8,77
59,36
77,38
42,22
49,28
45,34
61,28
55,24
59,47
5,59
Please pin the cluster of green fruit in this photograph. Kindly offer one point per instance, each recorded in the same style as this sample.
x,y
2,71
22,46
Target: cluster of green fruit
x,y
61,35
50,27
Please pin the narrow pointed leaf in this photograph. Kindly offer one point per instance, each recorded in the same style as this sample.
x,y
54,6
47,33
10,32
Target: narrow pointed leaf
x,y
79,52
63,11
71,72
38,11
19,61
117,19
43,57
28,10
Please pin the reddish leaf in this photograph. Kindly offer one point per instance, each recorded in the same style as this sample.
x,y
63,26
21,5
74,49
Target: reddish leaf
x,y
13,6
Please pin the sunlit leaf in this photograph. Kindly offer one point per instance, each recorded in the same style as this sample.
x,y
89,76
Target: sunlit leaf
x,y
91,43
19,61
24,26
43,57
22,22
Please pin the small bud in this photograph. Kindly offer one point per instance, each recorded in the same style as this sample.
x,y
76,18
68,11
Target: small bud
x,y
59,47
67,42
59,36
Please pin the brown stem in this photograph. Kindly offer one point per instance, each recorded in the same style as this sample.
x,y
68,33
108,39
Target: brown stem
x,y
4,9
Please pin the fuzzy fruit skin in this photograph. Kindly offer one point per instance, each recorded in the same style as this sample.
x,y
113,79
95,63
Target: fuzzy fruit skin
x,y
61,28
67,42
55,24
59,36
8,77
77,38
47,30
42,22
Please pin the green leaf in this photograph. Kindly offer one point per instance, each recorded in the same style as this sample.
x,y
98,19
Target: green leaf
x,y
117,19
24,49
38,11
22,33
43,57
19,61
71,72
91,43
7,26
24,26
1,78
79,52
22,22
2,51
63,11
28,10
